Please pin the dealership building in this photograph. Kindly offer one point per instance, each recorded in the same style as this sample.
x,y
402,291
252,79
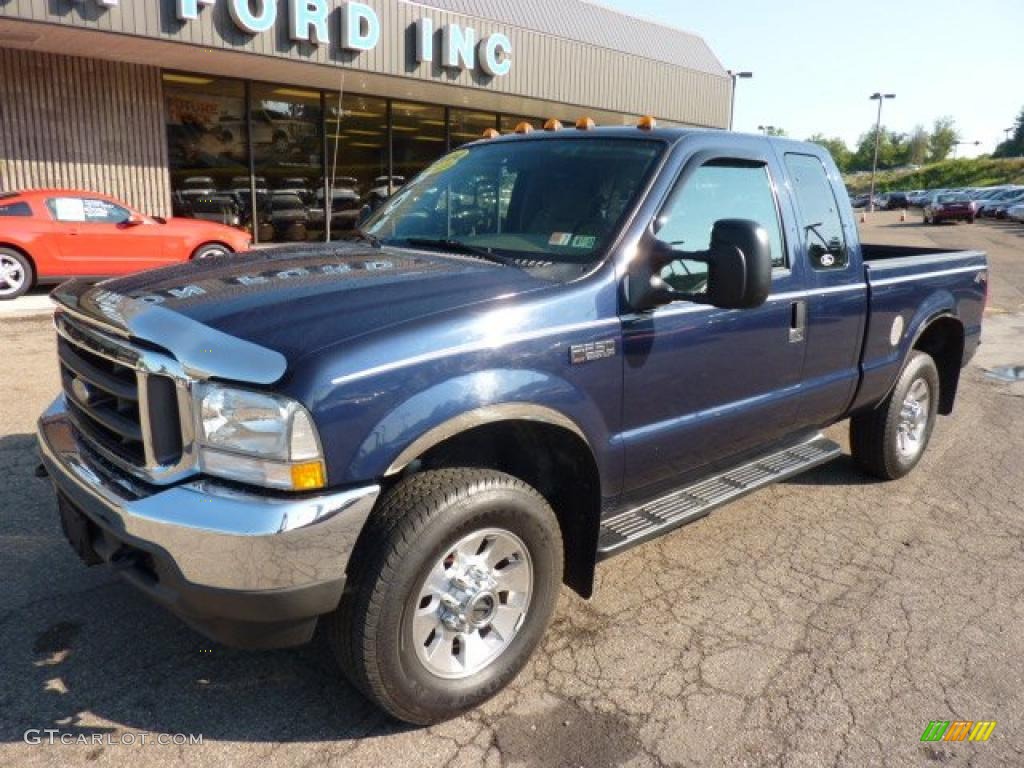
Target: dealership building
x,y
173,105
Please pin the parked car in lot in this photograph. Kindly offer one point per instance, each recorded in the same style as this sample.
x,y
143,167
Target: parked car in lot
x,y
417,437
919,198
861,201
895,201
986,205
1016,212
49,235
949,206
996,209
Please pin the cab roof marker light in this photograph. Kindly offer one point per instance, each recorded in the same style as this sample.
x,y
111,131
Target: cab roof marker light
x,y
491,133
524,127
585,124
553,125
647,123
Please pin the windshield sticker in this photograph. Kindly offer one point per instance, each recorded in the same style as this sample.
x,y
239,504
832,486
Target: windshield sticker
x,y
584,241
560,238
446,163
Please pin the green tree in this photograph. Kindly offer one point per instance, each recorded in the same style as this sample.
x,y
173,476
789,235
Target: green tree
x,y
1014,146
773,131
944,137
891,150
917,146
837,148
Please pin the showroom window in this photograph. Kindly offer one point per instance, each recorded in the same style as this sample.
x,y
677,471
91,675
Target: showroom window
x,y
268,157
287,149
208,148
508,123
357,157
466,126
417,138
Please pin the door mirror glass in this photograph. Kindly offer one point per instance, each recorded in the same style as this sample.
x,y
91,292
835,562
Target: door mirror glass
x,y
739,265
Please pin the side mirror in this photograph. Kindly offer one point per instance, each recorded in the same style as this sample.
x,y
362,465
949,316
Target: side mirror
x,y
135,220
739,270
739,265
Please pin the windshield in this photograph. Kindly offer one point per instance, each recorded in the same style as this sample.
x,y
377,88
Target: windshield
x,y
953,198
545,203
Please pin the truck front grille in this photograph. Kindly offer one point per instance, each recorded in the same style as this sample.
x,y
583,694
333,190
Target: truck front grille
x,y
130,415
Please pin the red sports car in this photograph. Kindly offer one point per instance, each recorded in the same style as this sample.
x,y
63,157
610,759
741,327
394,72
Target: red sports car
x,y
49,235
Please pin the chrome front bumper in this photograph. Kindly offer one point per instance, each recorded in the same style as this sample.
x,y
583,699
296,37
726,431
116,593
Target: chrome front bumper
x,y
203,542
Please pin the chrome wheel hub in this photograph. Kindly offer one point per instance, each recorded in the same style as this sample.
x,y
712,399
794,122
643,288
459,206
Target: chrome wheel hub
x,y
913,422
472,603
12,275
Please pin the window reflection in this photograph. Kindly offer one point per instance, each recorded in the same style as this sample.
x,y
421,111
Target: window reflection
x,y
207,145
288,152
418,138
357,157
467,126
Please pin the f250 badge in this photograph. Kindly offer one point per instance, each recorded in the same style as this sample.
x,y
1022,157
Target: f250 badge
x,y
588,353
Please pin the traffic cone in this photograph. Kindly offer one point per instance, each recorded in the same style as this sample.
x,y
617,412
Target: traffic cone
x,y
863,217
903,215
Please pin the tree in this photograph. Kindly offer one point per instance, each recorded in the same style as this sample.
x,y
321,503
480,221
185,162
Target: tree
x,y
944,137
891,150
771,130
1014,146
917,146
837,148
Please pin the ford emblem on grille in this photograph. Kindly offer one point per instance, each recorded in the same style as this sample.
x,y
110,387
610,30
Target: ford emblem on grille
x,y
83,392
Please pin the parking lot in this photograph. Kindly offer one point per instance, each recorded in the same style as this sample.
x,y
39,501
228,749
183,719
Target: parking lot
x,y
823,621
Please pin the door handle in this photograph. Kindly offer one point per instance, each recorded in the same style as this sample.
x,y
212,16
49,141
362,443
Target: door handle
x,y
797,322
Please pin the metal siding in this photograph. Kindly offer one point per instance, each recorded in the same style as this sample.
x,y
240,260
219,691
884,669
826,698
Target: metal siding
x,y
85,123
569,52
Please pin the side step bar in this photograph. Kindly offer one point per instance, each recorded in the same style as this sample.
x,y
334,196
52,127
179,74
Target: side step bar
x,y
634,526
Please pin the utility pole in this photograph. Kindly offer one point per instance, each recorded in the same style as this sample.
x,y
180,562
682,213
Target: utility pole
x,y
878,135
736,76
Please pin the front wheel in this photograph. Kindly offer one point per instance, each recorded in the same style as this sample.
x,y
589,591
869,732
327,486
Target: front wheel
x,y
210,251
16,274
889,441
458,574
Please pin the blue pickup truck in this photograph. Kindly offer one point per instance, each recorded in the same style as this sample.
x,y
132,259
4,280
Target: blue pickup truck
x,y
546,349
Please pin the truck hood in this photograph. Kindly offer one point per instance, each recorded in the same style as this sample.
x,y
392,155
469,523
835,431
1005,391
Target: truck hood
x,y
295,301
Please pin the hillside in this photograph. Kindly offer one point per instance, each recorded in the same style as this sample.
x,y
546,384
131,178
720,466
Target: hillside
x,y
975,172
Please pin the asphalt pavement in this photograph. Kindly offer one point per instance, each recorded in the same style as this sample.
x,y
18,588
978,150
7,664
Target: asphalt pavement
x,y
823,621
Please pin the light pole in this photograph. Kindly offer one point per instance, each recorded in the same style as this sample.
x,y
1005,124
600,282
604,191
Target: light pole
x,y
956,146
878,134
1007,132
766,129
736,76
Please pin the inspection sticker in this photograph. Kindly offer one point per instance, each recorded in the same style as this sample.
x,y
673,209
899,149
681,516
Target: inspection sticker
x,y
584,241
447,162
560,238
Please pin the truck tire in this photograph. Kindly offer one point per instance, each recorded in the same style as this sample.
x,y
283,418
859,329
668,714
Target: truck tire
x,y
457,575
890,440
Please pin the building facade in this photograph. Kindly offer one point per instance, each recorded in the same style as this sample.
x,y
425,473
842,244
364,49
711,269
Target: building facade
x,y
286,115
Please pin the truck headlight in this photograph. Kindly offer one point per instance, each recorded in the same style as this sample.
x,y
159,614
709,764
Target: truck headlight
x,y
258,438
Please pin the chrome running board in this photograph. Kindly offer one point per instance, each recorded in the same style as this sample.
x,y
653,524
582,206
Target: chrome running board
x,y
634,526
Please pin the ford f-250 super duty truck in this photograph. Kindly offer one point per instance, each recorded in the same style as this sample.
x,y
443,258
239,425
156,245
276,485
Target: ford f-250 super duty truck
x,y
546,349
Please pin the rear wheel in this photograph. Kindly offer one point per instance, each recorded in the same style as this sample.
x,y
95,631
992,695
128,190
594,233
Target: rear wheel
x,y
16,274
889,441
459,572
210,251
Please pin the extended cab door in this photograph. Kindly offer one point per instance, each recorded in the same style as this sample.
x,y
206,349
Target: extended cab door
x,y
703,384
836,298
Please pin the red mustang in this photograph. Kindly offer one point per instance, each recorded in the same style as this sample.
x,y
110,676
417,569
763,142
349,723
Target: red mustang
x,y
48,235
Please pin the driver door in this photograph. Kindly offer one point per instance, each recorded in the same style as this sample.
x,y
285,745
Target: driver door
x,y
94,237
701,384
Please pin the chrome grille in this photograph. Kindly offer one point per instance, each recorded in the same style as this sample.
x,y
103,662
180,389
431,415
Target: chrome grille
x,y
132,404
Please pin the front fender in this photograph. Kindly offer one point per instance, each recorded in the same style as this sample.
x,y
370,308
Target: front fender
x,y
464,402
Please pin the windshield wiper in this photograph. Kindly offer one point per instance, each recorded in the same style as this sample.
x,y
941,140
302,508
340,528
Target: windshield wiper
x,y
457,246
373,240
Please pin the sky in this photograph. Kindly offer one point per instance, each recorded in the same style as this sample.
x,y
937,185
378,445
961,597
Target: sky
x,y
816,64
